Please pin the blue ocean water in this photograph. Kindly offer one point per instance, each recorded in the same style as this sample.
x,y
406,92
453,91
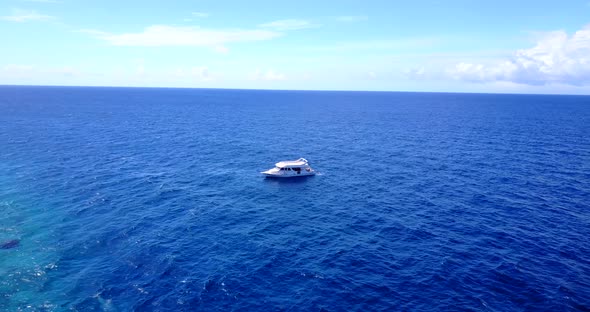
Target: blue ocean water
x,y
127,199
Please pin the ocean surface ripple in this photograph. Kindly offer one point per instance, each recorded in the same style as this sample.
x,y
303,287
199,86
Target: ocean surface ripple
x,y
120,199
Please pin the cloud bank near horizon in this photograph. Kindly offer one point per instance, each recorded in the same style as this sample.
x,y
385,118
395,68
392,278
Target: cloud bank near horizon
x,y
556,58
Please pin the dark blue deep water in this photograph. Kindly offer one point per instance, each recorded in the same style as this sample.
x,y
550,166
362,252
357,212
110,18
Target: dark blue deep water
x,y
120,199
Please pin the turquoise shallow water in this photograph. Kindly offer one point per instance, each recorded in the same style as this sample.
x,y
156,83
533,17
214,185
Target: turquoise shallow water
x,y
151,199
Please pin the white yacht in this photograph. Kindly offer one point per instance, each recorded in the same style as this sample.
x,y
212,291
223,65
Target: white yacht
x,y
290,168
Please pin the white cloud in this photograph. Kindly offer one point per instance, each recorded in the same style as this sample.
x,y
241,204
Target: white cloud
x,y
288,24
555,59
18,69
352,18
221,49
162,35
269,75
200,14
20,16
30,71
67,71
415,73
200,73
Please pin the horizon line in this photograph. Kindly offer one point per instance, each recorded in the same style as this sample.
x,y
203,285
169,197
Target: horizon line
x,y
287,90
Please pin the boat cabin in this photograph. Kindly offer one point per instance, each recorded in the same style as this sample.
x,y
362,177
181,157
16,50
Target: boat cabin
x,y
290,168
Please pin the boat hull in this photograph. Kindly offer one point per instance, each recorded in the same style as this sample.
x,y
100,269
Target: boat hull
x,y
282,176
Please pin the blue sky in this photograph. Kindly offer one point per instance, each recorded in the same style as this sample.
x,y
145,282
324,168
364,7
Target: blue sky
x,y
456,46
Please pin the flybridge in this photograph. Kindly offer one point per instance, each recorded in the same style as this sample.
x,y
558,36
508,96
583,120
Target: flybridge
x,y
301,162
